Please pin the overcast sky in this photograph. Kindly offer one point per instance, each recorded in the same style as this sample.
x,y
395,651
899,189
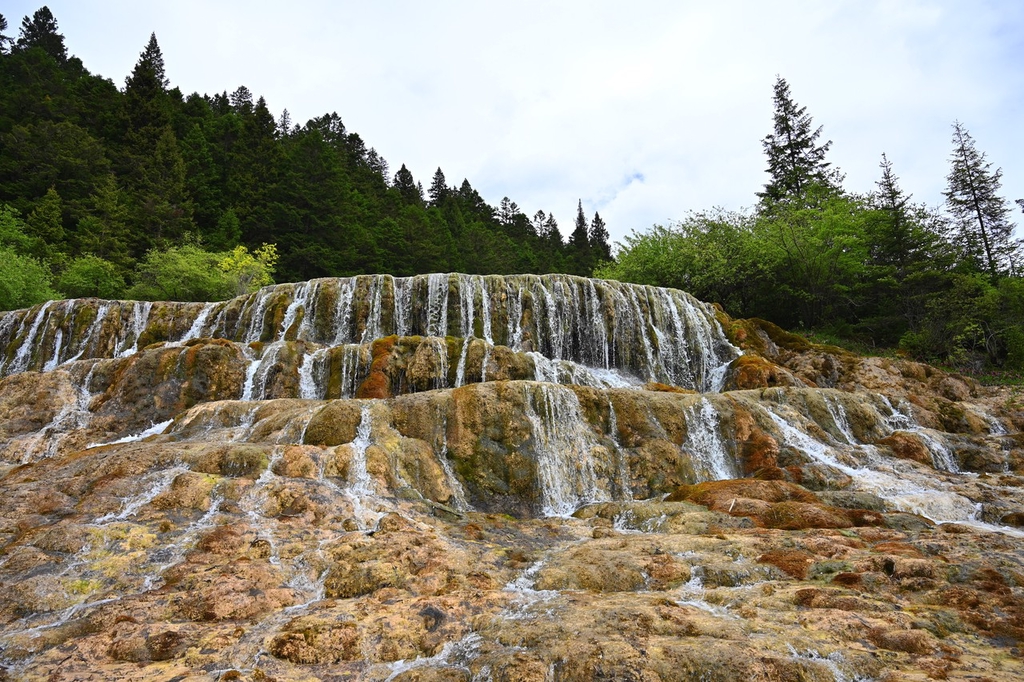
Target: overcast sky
x,y
643,110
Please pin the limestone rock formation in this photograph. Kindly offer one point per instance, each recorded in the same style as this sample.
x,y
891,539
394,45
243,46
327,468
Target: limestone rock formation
x,y
454,477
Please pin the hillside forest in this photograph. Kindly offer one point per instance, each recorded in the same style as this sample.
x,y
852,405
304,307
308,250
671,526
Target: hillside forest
x,y
144,192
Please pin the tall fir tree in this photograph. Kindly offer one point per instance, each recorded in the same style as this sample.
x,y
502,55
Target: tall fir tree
x,y
439,190
147,108
41,31
407,187
598,238
579,244
893,243
796,162
982,230
5,40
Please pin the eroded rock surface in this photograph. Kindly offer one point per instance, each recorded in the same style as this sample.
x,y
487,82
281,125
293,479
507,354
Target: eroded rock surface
x,y
466,478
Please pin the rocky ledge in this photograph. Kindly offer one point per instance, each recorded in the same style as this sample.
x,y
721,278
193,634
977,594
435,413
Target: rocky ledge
x,y
191,508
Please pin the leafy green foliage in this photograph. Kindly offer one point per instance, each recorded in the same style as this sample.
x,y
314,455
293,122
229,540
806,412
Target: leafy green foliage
x,y
249,271
24,280
181,273
91,276
133,171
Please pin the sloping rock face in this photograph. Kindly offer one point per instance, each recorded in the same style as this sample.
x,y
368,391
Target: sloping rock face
x,y
493,478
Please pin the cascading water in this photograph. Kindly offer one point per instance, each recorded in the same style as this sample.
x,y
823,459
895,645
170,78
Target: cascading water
x,y
563,443
652,334
711,461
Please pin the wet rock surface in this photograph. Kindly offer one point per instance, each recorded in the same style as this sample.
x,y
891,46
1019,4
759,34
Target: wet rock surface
x,y
295,487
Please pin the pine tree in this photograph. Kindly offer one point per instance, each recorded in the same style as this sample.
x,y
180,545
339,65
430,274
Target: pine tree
x,y
45,224
284,124
5,40
894,247
507,211
796,162
41,31
145,96
438,191
598,239
579,243
982,230
407,187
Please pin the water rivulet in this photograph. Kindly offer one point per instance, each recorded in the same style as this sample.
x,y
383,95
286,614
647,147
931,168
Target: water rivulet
x,y
471,478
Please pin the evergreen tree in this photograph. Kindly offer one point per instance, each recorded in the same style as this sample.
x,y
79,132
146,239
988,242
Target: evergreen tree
x,y
598,239
145,96
438,191
895,244
507,212
982,230
45,225
104,233
41,31
5,40
284,124
796,162
407,187
579,244
378,164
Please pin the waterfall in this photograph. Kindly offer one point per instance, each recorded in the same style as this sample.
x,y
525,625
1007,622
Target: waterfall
x,y
310,373
199,324
466,292
642,332
374,319
403,305
625,484
711,462
298,299
351,368
343,311
437,305
359,480
562,442
21,358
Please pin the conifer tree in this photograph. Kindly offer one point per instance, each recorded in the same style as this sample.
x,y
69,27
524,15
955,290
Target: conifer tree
x,y
407,187
598,239
41,31
5,40
796,162
45,226
438,191
895,245
982,230
579,243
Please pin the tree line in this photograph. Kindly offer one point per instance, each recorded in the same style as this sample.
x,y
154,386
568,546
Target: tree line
x,y
942,284
137,191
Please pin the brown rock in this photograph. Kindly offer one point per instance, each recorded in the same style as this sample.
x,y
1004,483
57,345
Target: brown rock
x,y
907,446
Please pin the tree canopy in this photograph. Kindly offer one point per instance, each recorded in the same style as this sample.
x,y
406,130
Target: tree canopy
x,y
119,175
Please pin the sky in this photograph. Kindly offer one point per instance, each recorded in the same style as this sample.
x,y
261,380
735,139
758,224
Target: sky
x,y
643,111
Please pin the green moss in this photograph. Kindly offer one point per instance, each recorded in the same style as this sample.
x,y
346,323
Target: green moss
x,y
244,461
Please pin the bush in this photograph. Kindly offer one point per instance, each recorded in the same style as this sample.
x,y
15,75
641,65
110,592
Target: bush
x,y
24,281
181,273
91,276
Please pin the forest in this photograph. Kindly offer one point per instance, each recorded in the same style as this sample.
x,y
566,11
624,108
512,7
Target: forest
x,y
148,193
874,269
143,192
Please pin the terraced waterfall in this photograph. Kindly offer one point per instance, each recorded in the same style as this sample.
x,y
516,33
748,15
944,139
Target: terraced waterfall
x,y
491,478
